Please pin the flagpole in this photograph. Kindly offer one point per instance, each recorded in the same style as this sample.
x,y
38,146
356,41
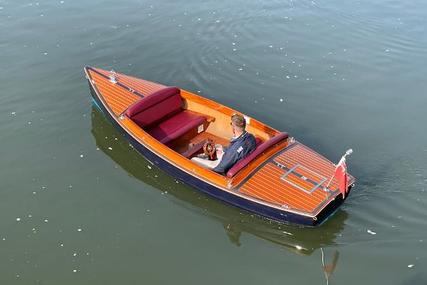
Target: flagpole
x,y
342,160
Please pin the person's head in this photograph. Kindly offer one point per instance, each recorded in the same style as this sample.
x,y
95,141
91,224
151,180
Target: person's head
x,y
238,123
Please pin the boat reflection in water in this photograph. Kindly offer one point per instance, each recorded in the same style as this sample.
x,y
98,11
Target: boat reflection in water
x,y
235,221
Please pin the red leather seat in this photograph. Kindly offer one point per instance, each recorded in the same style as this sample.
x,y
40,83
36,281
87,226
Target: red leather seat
x,y
176,126
259,149
162,116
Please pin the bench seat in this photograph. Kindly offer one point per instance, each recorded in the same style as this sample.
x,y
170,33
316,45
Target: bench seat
x,y
176,126
162,115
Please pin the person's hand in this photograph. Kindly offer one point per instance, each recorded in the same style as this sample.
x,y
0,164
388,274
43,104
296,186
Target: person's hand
x,y
219,149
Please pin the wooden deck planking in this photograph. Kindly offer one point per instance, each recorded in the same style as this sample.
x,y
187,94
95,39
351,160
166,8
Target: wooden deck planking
x,y
257,189
308,158
142,86
116,97
267,185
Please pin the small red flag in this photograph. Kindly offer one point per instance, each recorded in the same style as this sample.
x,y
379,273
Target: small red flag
x,y
341,175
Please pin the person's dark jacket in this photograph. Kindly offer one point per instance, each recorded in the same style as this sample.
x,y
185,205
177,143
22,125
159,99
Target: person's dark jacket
x,y
239,148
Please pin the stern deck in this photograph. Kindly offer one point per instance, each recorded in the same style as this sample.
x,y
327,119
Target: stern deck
x,y
296,179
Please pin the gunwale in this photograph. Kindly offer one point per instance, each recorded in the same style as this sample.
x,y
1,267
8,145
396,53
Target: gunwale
x,y
232,185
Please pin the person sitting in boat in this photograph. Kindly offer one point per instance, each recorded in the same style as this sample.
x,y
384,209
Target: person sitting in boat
x,y
242,144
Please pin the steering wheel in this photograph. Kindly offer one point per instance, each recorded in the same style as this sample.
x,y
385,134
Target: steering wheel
x,y
210,150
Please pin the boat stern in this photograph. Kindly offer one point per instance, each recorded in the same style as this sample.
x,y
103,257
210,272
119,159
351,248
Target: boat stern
x,y
299,181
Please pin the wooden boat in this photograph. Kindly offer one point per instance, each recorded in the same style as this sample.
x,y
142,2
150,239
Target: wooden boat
x,y
282,179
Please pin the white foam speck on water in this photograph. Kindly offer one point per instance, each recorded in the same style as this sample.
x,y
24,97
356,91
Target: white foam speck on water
x,y
61,245
281,100
110,148
298,247
45,53
75,254
30,216
1,8
13,113
148,166
3,239
74,270
410,265
371,232
81,156
46,220
61,2
18,219
79,229
288,233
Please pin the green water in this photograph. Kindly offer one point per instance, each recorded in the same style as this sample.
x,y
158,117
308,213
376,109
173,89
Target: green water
x,y
79,206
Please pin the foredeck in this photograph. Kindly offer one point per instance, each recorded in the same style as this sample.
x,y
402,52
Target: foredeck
x,y
118,97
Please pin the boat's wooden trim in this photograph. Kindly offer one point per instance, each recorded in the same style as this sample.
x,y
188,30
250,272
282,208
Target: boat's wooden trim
x,y
222,114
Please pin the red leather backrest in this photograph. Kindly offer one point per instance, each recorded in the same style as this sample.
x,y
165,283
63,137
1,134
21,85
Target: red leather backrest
x,y
155,107
260,149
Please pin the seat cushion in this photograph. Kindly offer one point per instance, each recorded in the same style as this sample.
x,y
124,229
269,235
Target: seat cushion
x,y
156,107
260,149
176,126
